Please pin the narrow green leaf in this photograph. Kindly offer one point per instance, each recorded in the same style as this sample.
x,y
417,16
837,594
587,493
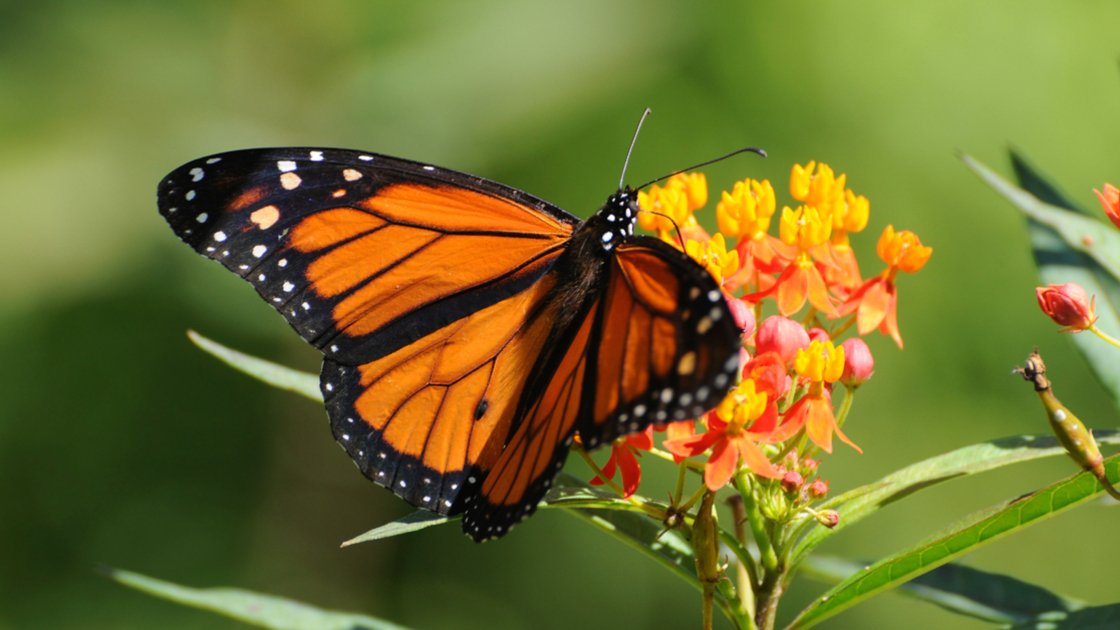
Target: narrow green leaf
x,y
420,519
272,373
1069,246
266,611
1094,618
864,501
960,538
989,596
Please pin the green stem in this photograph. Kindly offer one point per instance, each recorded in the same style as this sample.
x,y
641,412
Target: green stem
x,y
790,444
1103,335
696,496
845,326
846,406
745,570
805,323
682,472
758,524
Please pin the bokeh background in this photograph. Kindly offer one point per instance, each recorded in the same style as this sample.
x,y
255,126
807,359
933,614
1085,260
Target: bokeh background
x,y
121,444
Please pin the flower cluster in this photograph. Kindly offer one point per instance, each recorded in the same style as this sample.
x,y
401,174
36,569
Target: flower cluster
x,y
783,402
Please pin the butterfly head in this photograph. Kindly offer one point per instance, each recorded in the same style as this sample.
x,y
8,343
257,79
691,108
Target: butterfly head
x,y
617,217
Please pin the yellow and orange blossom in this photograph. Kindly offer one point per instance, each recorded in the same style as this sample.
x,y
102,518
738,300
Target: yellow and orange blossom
x,y
877,299
823,190
683,193
805,229
820,363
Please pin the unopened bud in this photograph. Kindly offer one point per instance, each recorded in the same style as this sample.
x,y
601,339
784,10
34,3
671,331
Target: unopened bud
x,y
1068,305
792,482
858,363
819,334
818,489
808,467
828,518
783,336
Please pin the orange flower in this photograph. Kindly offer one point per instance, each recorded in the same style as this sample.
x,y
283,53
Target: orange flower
x,y
673,205
807,229
820,363
876,300
743,418
623,459
1110,199
745,213
851,216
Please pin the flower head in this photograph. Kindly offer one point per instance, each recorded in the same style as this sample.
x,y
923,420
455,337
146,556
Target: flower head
x,y
1068,305
713,256
623,459
858,363
820,363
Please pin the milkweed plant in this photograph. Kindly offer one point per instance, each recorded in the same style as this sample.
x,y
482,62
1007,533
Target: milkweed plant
x,y
753,499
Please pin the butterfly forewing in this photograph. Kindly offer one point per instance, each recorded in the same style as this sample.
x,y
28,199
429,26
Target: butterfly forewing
x,y
362,253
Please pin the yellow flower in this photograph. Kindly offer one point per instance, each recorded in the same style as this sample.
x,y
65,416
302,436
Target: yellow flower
x,y
742,405
824,190
672,202
821,361
851,216
713,256
694,186
902,250
806,227
747,209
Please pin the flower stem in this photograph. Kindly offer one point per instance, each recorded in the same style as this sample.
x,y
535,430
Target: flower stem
x,y
1103,335
682,471
805,323
745,570
846,406
696,496
758,525
790,444
843,327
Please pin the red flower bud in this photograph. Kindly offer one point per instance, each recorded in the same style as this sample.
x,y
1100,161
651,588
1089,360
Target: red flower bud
x,y
819,334
782,336
828,518
1068,305
792,482
858,363
818,489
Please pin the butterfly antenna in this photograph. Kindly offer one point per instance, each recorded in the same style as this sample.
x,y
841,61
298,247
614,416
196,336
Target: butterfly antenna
x,y
622,180
719,159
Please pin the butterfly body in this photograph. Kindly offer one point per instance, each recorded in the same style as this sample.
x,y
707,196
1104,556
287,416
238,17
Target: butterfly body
x,y
470,330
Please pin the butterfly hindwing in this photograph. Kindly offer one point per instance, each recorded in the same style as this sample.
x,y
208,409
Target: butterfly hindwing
x,y
667,345
363,253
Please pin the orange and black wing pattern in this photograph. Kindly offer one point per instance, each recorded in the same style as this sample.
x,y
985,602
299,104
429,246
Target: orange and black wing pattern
x,y
654,342
362,253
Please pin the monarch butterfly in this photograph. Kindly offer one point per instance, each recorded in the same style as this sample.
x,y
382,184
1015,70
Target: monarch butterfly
x,y
470,330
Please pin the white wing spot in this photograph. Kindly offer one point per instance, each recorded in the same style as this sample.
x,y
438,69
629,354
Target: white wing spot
x,y
334,348
202,217
403,484
661,415
213,160
219,236
447,503
290,181
306,306
346,436
721,381
329,387
365,158
702,393
286,166
454,486
685,399
351,175
429,168
316,156
426,499
640,410
713,295
259,251
716,314
288,286
607,237
244,267
197,174
261,277
189,195
667,394
283,262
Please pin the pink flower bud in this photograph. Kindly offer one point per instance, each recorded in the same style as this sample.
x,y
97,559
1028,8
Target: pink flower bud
x,y
818,334
782,336
828,518
858,363
742,314
808,467
792,482
1068,305
818,489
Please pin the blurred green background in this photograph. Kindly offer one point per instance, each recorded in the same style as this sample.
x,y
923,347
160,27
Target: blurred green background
x,y
122,444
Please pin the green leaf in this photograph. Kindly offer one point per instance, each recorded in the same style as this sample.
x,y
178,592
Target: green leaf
x,y
1095,618
962,537
989,596
420,519
1069,246
266,611
272,373
864,501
